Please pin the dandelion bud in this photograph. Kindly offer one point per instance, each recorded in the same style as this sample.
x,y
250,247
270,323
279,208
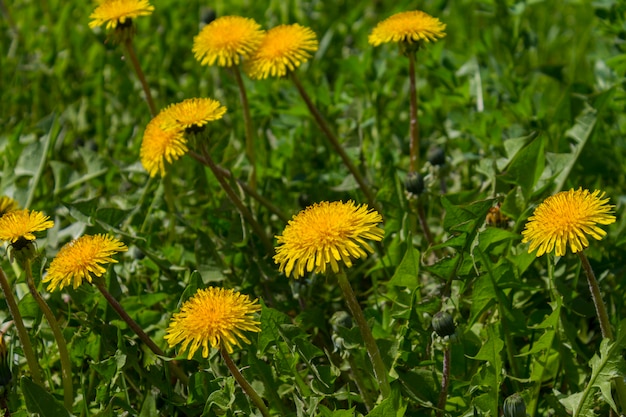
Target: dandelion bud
x,y
443,324
414,184
436,156
514,406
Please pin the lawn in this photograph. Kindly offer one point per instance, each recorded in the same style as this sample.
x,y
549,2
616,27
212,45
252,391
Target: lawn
x,y
353,224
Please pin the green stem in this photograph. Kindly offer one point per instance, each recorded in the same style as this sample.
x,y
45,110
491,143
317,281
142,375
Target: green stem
x,y
256,399
27,347
605,324
248,124
445,380
140,333
208,161
603,317
334,142
128,43
380,370
414,132
246,188
64,356
422,219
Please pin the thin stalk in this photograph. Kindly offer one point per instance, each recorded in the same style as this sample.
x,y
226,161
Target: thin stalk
x,y
605,324
128,44
140,333
445,381
603,317
248,124
380,370
64,356
423,223
414,131
247,388
237,201
246,188
22,334
334,142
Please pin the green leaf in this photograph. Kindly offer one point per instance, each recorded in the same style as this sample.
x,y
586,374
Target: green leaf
x,y
390,407
605,367
406,274
271,320
490,352
526,166
39,401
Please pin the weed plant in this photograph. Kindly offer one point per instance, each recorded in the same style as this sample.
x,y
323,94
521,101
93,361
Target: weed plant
x,y
355,237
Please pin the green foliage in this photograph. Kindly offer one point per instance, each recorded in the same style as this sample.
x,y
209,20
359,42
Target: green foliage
x,y
524,98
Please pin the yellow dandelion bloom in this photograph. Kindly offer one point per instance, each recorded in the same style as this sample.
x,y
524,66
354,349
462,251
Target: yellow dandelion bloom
x,y
227,40
214,316
80,258
567,218
326,233
192,113
22,224
160,145
116,12
283,48
7,204
412,26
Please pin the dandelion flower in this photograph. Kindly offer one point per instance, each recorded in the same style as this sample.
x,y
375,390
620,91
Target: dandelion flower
x,y
412,26
160,145
7,204
567,218
227,40
192,113
80,258
116,12
22,224
284,48
325,233
214,316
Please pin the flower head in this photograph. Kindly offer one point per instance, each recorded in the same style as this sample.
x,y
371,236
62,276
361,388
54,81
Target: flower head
x,y
117,12
283,48
22,224
160,144
214,316
325,233
567,218
80,258
227,40
7,204
409,27
192,113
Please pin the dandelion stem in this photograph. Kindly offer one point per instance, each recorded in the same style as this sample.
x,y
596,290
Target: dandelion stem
x,y
248,124
128,44
27,347
423,223
445,380
414,132
605,324
380,370
333,141
64,356
208,161
246,188
140,333
256,399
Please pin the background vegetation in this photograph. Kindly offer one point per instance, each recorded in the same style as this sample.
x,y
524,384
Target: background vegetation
x,y
525,98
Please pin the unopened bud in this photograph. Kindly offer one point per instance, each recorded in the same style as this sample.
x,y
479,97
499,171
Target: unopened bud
x,y
443,324
436,156
414,184
514,406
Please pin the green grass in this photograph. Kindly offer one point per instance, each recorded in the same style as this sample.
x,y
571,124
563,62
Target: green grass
x,y
526,99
